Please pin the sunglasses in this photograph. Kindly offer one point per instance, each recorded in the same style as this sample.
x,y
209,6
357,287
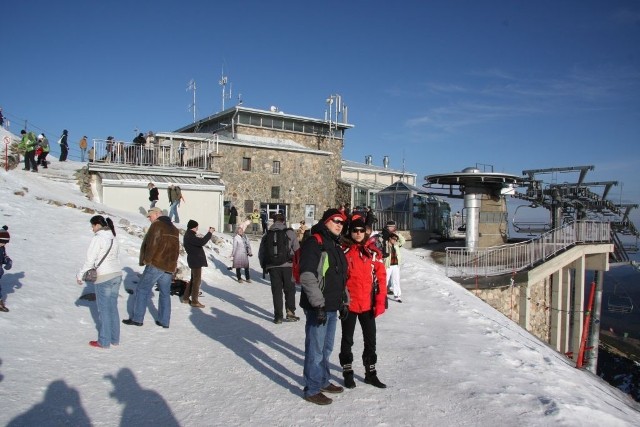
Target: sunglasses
x,y
358,230
337,221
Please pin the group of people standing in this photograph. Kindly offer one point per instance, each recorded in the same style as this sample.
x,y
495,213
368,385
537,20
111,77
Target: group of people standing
x,y
32,147
342,277
36,149
159,254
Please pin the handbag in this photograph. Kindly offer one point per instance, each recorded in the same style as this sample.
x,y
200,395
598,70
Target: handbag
x,y
92,274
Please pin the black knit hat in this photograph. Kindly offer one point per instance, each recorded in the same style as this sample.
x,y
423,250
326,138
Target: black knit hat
x,y
192,224
4,234
331,213
357,223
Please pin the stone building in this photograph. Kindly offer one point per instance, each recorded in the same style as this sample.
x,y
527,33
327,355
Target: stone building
x,y
268,160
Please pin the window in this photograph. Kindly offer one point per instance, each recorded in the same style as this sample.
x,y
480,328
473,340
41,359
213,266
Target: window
x,y
246,163
275,192
276,167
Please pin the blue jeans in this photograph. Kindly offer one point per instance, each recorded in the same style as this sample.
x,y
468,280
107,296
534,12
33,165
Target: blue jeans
x,y
173,212
150,277
318,345
108,316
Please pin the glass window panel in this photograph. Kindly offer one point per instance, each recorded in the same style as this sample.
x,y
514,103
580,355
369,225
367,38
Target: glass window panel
x,y
275,192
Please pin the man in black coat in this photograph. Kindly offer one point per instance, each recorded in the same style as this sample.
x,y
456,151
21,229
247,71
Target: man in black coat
x,y
196,259
323,279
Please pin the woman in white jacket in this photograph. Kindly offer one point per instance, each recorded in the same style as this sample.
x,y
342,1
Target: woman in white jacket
x,y
107,284
240,253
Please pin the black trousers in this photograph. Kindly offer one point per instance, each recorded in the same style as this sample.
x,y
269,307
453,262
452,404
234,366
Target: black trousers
x,y
368,324
42,159
246,273
30,160
280,278
64,151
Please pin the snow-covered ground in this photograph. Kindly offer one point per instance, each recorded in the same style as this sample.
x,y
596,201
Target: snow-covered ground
x,y
448,359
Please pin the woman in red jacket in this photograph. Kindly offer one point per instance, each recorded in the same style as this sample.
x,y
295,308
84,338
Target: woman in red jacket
x,y
366,285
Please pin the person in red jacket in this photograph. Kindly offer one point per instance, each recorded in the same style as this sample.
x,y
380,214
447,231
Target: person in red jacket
x,y
366,286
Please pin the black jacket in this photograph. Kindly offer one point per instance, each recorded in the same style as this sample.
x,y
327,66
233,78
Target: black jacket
x,y
335,277
193,245
153,194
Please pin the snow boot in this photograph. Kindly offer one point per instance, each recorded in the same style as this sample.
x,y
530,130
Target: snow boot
x,y
371,377
2,306
347,374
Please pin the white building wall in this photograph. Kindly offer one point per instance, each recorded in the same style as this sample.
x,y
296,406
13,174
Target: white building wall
x,y
201,203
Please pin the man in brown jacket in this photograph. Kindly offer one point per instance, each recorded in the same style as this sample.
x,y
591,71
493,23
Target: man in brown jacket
x,y
159,254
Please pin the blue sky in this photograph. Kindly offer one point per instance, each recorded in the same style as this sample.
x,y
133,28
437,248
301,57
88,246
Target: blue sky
x,y
436,85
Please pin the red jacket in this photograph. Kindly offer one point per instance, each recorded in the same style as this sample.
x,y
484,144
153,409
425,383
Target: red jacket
x,y
363,264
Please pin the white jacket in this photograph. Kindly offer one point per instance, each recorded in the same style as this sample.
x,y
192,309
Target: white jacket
x,y
97,248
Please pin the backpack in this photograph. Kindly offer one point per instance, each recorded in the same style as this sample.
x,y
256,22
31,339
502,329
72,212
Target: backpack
x,y
277,247
296,260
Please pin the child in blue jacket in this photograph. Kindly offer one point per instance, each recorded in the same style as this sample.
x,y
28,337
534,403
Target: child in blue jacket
x,y
4,260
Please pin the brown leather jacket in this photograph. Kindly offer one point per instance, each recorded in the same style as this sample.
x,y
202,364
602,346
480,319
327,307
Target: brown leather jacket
x,y
161,245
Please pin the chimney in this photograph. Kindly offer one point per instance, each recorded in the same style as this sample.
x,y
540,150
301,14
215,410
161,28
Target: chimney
x,y
385,162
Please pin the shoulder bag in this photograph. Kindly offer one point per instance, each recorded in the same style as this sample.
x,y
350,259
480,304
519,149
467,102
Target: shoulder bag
x,y
92,274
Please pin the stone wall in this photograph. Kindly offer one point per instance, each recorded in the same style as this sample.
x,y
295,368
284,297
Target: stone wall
x,y
509,300
304,178
492,227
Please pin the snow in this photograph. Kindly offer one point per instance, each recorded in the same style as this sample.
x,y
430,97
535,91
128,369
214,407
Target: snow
x,y
448,359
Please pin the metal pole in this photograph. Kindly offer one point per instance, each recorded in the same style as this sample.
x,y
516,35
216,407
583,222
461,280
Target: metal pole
x,y
585,329
592,363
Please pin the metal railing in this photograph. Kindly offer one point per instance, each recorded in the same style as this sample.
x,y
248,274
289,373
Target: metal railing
x,y
505,259
164,154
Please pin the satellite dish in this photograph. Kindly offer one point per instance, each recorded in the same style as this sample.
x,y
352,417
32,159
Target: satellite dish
x,y
273,108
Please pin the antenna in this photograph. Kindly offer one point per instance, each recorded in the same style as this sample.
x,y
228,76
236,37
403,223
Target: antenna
x,y
223,82
192,86
337,112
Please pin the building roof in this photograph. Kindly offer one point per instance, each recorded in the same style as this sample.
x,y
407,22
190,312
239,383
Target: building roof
x,y
244,140
350,164
363,183
280,114
400,186
131,179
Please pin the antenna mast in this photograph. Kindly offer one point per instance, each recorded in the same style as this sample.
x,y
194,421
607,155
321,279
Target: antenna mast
x,y
337,112
192,86
223,82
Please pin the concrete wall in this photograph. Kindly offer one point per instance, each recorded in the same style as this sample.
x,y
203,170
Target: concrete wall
x,y
202,205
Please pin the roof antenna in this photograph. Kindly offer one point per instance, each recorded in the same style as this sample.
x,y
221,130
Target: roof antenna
x,y
192,86
223,82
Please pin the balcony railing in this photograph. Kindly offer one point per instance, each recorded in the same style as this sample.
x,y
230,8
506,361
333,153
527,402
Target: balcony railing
x,y
200,155
505,259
